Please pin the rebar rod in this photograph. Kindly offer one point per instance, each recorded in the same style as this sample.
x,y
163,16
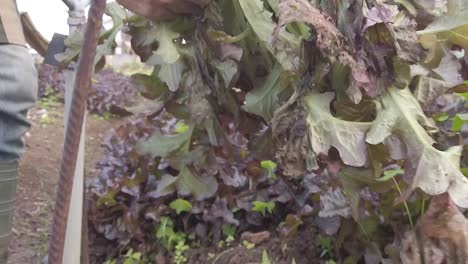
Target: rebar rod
x,y
73,132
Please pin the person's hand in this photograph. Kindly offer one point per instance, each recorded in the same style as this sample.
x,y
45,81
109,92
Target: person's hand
x,y
163,9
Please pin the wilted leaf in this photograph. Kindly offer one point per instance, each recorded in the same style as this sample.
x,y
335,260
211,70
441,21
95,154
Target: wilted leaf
x,y
167,56
290,225
228,70
435,51
286,50
326,131
160,145
435,7
302,11
333,203
232,176
200,187
354,180
263,100
441,234
372,254
432,170
329,225
220,210
167,49
442,33
171,74
428,89
450,28
449,68
329,39
152,85
380,14
386,26
165,187
186,184
408,5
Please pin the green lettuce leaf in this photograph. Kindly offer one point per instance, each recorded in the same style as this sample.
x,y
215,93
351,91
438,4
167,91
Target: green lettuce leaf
x,y
159,145
186,184
286,49
446,30
167,57
263,100
327,131
427,168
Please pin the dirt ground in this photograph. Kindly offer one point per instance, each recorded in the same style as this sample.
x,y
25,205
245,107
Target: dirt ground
x,y
300,249
38,177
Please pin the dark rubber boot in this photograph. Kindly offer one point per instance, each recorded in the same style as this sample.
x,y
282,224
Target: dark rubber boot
x,y
8,175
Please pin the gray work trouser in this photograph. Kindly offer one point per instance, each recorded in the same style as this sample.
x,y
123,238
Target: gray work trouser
x,y
18,92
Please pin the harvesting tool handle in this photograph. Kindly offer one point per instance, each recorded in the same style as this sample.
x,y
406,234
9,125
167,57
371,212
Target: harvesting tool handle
x,y
73,132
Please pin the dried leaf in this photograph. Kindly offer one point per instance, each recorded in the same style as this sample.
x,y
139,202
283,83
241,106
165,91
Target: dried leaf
x,y
428,89
219,210
449,68
442,235
333,203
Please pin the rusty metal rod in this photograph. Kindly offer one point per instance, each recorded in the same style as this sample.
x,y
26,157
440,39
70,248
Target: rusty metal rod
x,y
73,133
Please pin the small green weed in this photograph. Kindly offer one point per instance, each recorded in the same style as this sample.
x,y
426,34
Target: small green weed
x,y
132,257
50,98
166,235
325,244
265,259
248,245
263,207
180,249
181,205
270,167
168,238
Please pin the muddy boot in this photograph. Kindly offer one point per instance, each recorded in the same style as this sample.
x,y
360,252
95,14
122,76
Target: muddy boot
x,y
8,175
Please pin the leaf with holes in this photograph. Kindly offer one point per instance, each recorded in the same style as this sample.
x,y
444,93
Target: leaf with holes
x,y
327,131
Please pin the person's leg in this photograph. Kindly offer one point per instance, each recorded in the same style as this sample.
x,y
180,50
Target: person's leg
x,y
18,92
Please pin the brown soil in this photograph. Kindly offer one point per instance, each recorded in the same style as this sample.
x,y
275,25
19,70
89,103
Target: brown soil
x,y
301,248
38,179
